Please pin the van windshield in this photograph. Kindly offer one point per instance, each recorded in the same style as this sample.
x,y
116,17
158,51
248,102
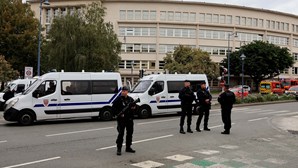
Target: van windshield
x,y
141,86
32,86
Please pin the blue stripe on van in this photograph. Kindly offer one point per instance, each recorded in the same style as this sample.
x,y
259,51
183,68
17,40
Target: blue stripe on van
x,y
83,103
163,101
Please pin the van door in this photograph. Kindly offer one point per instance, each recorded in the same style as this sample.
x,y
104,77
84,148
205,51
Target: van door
x,y
174,103
158,97
46,100
76,98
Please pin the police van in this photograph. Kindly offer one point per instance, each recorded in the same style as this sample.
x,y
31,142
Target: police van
x,y
58,95
159,93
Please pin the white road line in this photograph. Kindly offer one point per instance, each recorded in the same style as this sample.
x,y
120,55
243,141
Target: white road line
x,y
82,131
135,142
30,163
257,119
219,126
152,122
287,114
3,141
296,116
258,111
274,112
214,114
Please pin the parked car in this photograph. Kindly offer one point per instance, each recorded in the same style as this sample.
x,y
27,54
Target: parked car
x,y
292,90
238,92
245,88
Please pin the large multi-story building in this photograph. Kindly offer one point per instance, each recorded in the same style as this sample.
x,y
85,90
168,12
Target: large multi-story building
x,y
148,29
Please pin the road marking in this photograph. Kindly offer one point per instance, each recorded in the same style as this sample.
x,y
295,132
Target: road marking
x,y
3,141
82,131
135,142
179,158
147,164
296,116
287,114
207,152
219,126
152,122
30,163
258,111
257,119
240,109
229,146
274,112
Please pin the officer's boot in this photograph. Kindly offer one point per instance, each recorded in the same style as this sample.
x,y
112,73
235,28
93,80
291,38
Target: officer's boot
x,y
182,130
130,150
189,130
118,150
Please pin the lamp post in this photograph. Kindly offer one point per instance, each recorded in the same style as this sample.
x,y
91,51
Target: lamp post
x,y
229,52
242,60
46,2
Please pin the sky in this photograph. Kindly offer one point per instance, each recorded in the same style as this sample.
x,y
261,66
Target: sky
x,y
287,6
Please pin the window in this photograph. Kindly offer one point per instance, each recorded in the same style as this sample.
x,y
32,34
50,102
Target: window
x,y
222,19
295,56
152,15
184,33
145,48
145,31
268,24
272,24
243,21
152,31
122,14
170,16
75,87
46,88
294,70
215,18
145,15
161,64
48,16
129,48
229,19
208,18
48,28
56,12
202,17
255,22
137,48
286,26
192,17
104,87
63,12
249,22
130,15
295,42
20,88
177,16
121,64
185,17
157,87
277,25
170,32
261,23
163,15
175,86
237,20
152,48
178,32
138,14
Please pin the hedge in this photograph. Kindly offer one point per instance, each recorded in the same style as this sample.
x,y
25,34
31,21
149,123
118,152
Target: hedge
x,y
264,98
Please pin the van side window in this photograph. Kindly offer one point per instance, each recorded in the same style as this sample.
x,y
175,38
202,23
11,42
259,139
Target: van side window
x,y
104,87
75,87
46,88
20,88
175,86
157,87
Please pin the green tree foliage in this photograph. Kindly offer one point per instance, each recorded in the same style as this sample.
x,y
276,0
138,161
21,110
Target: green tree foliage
x,y
187,59
6,72
263,61
83,41
18,34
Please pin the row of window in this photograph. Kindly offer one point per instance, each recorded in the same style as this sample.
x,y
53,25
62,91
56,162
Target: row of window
x,y
137,14
165,48
215,18
295,42
137,31
215,50
295,56
55,12
278,40
214,34
138,48
136,64
185,33
276,25
177,16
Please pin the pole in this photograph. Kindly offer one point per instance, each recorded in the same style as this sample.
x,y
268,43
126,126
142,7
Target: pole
x,y
242,78
39,40
229,58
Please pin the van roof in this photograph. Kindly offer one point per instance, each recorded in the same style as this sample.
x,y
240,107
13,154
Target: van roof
x,y
70,74
176,76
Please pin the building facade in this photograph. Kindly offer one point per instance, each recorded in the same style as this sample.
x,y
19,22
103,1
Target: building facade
x,y
148,29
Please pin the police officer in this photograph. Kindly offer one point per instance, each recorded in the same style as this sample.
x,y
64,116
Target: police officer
x,y
226,100
124,120
204,98
186,96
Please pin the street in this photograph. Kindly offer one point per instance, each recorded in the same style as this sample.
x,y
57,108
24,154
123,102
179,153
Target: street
x,y
258,139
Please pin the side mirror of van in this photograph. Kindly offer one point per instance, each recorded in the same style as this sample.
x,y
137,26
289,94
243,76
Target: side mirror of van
x,y
151,92
35,94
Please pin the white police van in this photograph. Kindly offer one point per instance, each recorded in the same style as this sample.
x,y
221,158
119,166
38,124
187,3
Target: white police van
x,y
159,93
64,95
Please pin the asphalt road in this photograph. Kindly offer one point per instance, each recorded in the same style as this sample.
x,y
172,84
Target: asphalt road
x,y
254,142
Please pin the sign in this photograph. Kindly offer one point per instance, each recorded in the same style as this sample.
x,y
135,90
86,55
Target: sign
x,y
28,72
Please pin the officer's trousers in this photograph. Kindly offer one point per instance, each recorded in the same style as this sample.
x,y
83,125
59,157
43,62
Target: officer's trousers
x,y
122,125
203,111
186,110
226,118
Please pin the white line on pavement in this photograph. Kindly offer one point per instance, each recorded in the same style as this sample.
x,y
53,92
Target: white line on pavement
x,y
30,163
152,122
257,119
287,114
274,112
3,141
82,131
258,111
296,116
135,142
219,126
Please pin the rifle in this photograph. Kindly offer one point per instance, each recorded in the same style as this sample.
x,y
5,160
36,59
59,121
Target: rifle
x,y
128,106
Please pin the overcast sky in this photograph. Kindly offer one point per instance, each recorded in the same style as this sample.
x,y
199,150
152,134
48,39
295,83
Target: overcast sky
x,y
287,6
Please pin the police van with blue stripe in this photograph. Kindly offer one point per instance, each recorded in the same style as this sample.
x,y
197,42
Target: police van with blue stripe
x,y
59,95
159,93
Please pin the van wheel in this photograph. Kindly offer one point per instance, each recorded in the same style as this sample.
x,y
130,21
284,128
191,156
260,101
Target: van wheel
x,y
25,118
106,114
144,112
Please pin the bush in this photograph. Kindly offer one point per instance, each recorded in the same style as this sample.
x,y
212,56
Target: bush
x,y
264,98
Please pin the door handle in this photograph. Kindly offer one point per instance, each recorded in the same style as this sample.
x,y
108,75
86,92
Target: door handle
x,y
53,99
66,99
163,96
172,96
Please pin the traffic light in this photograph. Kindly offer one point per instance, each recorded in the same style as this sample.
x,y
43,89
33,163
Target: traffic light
x,y
141,73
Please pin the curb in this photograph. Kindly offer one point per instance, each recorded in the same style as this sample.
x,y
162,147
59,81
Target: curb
x,y
259,103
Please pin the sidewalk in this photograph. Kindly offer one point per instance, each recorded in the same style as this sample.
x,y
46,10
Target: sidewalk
x,y
289,124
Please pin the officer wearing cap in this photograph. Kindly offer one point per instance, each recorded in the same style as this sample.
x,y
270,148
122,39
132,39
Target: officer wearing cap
x,y
186,96
124,120
226,100
204,101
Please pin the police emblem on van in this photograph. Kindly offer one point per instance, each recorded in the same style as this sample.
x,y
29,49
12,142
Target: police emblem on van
x,y
157,99
46,102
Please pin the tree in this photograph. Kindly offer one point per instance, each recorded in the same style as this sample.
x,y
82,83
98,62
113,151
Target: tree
x,y
18,34
187,59
263,61
83,41
6,72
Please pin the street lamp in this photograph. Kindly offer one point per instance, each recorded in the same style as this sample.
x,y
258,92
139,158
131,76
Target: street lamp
x,y
46,2
229,52
242,60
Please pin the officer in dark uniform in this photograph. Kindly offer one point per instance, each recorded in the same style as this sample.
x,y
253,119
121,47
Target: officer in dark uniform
x,y
204,98
124,120
226,100
186,96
